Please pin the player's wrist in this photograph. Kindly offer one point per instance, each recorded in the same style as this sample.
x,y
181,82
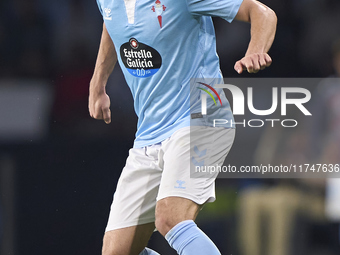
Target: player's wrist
x,y
257,50
97,86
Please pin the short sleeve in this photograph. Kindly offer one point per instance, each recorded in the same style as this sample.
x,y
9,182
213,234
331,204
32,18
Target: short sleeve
x,y
100,7
225,9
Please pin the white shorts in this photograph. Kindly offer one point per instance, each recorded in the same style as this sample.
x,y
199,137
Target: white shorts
x,y
163,170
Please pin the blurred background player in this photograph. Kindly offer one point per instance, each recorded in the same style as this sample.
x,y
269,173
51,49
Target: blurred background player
x,y
155,188
273,209
326,132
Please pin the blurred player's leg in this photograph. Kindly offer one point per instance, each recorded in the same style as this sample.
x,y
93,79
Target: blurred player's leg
x,y
283,204
250,211
127,241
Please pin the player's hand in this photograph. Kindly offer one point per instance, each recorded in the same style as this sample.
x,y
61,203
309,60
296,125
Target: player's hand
x,y
253,63
99,106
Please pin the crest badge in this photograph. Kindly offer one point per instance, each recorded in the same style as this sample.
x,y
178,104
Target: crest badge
x,y
159,8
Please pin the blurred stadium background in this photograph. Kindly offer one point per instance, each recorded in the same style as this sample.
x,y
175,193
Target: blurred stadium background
x,y
59,167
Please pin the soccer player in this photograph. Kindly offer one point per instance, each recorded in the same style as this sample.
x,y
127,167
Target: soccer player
x,y
161,45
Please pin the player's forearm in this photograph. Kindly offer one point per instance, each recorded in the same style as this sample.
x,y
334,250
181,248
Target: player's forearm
x,y
106,60
263,28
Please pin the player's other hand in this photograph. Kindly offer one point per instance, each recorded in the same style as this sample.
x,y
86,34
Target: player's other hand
x,y
253,63
99,105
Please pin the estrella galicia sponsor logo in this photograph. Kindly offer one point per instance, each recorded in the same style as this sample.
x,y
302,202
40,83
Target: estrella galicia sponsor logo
x,y
140,59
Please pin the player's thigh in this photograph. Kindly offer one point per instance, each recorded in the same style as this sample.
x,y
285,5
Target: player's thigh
x,y
127,241
181,192
183,152
134,201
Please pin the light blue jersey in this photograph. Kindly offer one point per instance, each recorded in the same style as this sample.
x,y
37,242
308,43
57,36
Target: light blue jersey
x,y
161,45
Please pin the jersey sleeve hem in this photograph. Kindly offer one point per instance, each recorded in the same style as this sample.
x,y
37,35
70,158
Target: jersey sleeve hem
x,y
234,11
225,9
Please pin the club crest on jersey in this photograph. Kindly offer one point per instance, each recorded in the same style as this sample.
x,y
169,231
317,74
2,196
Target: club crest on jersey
x,y
158,8
140,59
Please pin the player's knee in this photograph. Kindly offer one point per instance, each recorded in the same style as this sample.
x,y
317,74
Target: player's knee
x,y
164,223
173,210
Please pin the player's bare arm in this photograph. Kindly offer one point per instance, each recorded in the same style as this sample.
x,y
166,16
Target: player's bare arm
x,y
99,101
263,27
